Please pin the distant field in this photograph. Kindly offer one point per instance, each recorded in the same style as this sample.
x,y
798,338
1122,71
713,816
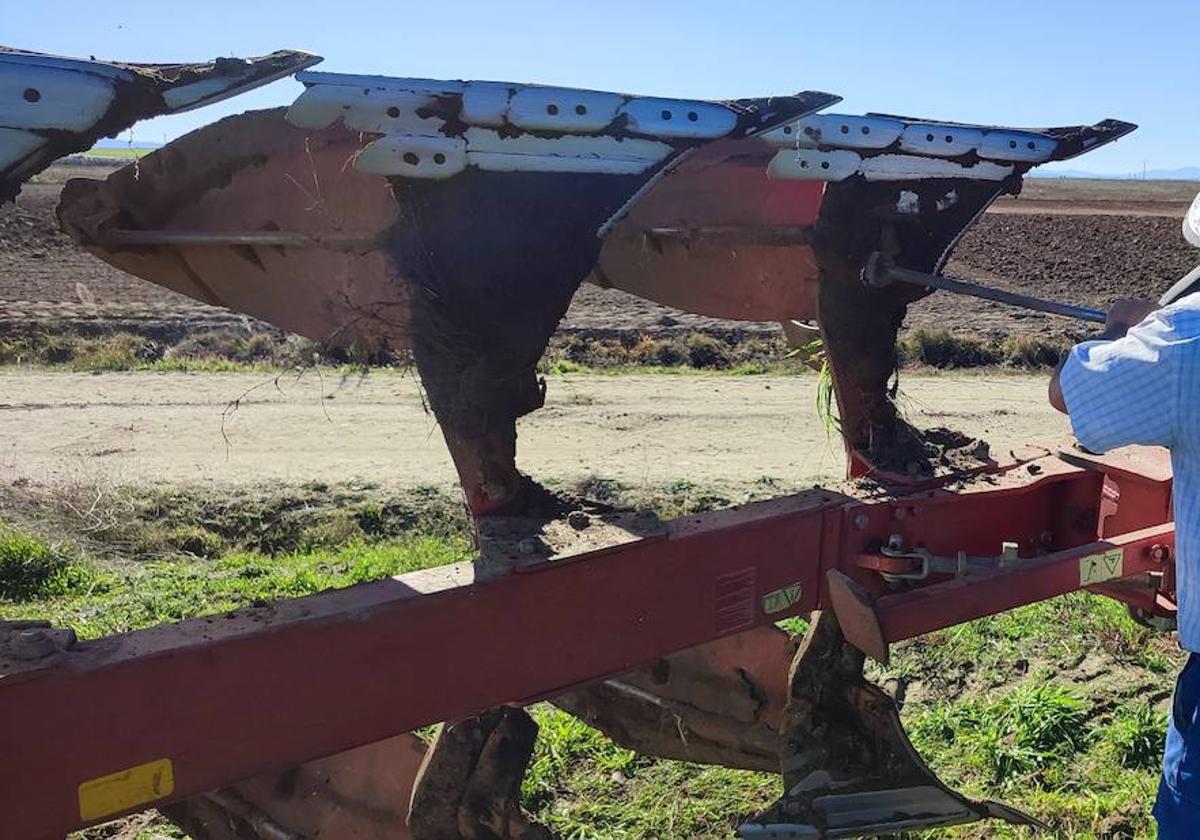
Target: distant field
x,y
119,152
1105,189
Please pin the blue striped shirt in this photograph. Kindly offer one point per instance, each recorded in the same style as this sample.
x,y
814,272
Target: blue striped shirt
x,y
1144,388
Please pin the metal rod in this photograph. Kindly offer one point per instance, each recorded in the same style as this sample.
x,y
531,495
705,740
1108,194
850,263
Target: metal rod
x,y
261,823
236,237
1185,285
962,287
782,235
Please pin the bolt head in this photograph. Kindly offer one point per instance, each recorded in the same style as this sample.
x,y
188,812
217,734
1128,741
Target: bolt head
x,y
860,521
33,643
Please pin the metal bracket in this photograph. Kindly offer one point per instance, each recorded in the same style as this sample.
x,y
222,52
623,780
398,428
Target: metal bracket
x,y
960,565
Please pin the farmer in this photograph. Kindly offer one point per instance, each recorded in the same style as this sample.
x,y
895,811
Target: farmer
x,y
1139,382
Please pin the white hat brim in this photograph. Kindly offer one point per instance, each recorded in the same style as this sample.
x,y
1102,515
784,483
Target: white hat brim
x,y
1191,223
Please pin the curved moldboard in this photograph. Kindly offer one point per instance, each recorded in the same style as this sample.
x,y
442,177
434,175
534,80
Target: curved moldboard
x,y
717,237
253,173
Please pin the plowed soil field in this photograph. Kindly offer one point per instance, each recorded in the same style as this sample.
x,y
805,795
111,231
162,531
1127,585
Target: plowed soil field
x,y
1081,241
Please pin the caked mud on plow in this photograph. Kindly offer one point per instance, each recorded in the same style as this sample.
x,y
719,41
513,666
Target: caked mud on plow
x,y
455,220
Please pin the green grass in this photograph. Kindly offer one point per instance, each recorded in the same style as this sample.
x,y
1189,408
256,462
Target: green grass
x,y
225,350
31,569
1057,708
581,785
97,601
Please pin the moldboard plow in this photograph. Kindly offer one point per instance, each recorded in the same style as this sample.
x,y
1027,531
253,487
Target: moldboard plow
x,y
455,220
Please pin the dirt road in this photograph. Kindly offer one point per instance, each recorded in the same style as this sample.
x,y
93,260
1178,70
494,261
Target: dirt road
x,y
184,428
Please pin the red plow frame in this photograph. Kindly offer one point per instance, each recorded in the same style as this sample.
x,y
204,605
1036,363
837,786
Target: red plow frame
x,y
96,729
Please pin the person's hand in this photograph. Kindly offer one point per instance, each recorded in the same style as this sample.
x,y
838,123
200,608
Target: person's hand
x,y
1127,313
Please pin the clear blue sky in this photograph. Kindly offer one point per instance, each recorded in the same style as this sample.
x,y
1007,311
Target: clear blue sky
x,y
1051,62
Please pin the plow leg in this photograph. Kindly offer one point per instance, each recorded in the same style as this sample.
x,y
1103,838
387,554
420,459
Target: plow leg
x,y
469,786
849,770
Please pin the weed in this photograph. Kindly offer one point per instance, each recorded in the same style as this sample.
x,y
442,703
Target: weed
x,y
1034,351
119,351
1038,723
826,399
1136,736
730,354
605,490
704,351
29,568
565,366
337,528
794,626
733,352
944,349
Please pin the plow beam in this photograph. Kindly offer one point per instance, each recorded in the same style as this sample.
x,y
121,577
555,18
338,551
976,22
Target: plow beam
x,y
100,728
871,624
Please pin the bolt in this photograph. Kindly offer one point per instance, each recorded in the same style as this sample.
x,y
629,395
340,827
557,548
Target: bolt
x,y
1160,553
528,546
31,644
578,520
900,513
861,521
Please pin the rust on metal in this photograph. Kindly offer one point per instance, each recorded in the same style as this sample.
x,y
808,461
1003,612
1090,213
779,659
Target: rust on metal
x,y
357,794
469,785
718,190
719,703
848,767
255,174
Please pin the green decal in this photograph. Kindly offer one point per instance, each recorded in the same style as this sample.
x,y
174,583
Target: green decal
x,y
1100,567
781,599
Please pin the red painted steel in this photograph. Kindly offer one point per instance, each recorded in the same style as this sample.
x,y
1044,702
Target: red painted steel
x,y
963,599
258,690
262,689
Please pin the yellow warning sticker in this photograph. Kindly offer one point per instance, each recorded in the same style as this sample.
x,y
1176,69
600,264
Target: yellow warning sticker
x,y
127,789
780,599
1100,567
